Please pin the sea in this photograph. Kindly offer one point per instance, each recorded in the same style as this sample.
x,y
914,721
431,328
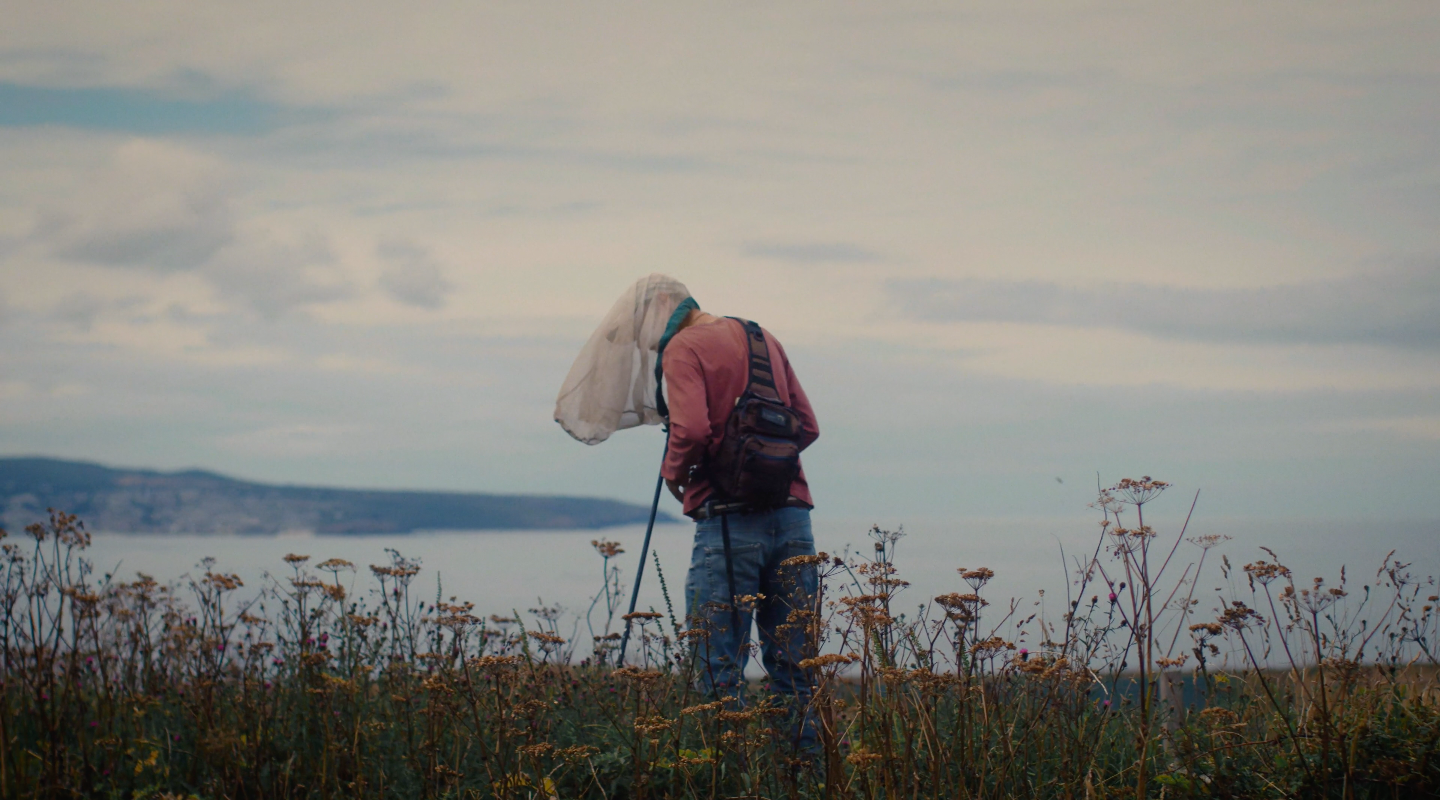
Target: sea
x,y
1035,560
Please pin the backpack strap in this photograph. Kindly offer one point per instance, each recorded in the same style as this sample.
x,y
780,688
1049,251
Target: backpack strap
x,y
762,376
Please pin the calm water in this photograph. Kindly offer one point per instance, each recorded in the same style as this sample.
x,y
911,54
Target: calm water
x,y
501,571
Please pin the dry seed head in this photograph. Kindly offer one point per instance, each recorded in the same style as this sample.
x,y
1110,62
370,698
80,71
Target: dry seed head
x,y
652,725
225,583
977,577
1239,616
967,602
990,647
577,753
291,558
828,659
606,548
639,675
1264,572
863,758
705,707
1139,492
494,662
804,561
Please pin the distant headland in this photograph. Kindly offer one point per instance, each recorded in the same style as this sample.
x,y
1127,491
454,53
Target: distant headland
x,y
194,501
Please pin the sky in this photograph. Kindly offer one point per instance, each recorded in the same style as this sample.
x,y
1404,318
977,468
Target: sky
x,y
1011,248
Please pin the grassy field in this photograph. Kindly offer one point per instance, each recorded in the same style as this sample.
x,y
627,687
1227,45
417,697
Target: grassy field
x,y
326,682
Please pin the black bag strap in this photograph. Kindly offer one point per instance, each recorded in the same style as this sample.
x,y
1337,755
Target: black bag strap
x,y
762,375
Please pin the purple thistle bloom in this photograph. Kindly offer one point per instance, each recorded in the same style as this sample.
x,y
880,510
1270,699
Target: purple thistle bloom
x,y
1112,597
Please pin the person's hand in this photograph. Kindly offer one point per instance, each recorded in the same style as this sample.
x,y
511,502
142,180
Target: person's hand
x,y
676,489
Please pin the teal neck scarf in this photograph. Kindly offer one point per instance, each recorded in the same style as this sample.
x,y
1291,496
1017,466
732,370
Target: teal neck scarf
x,y
671,328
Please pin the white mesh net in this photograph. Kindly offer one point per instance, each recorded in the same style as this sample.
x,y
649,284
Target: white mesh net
x,y
611,385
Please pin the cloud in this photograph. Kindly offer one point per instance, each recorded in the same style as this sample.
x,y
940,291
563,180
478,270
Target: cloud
x,y
273,276
79,310
411,275
154,205
292,440
1396,307
811,252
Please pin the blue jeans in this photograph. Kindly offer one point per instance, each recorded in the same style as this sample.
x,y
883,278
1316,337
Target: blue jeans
x,y
759,542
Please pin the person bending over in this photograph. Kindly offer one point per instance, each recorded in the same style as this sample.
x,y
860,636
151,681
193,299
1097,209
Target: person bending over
x,y
708,364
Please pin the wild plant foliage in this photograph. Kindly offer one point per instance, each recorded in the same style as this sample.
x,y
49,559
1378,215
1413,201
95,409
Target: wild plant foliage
x,y
326,681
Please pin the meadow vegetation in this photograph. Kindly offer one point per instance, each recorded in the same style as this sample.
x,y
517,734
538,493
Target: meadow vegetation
x,y
336,681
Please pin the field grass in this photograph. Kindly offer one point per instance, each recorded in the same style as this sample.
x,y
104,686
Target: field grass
x,y
327,683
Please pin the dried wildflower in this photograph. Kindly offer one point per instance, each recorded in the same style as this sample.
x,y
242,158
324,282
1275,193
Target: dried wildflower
x,y
335,565
705,707
644,616
862,758
990,647
1208,541
606,548
805,561
1172,662
977,577
638,675
647,726
748,602
222,582
546,638
955,601
1207,628
291,558
535,750
1138,493
494,662
1239,616
1264,573
827,660
576,753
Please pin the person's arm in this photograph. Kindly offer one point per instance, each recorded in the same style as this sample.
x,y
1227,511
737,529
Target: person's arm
x,y
689,416
799,403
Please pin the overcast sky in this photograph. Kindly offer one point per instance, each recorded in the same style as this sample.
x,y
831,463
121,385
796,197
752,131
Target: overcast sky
x,y
1006,247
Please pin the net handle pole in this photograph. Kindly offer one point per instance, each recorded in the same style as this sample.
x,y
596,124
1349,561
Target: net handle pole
x,y
644,553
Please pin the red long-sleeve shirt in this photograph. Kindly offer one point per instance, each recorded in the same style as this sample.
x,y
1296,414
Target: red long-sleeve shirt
x,y
707,368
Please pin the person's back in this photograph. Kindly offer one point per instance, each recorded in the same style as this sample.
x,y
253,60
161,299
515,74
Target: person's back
x,y
707,366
